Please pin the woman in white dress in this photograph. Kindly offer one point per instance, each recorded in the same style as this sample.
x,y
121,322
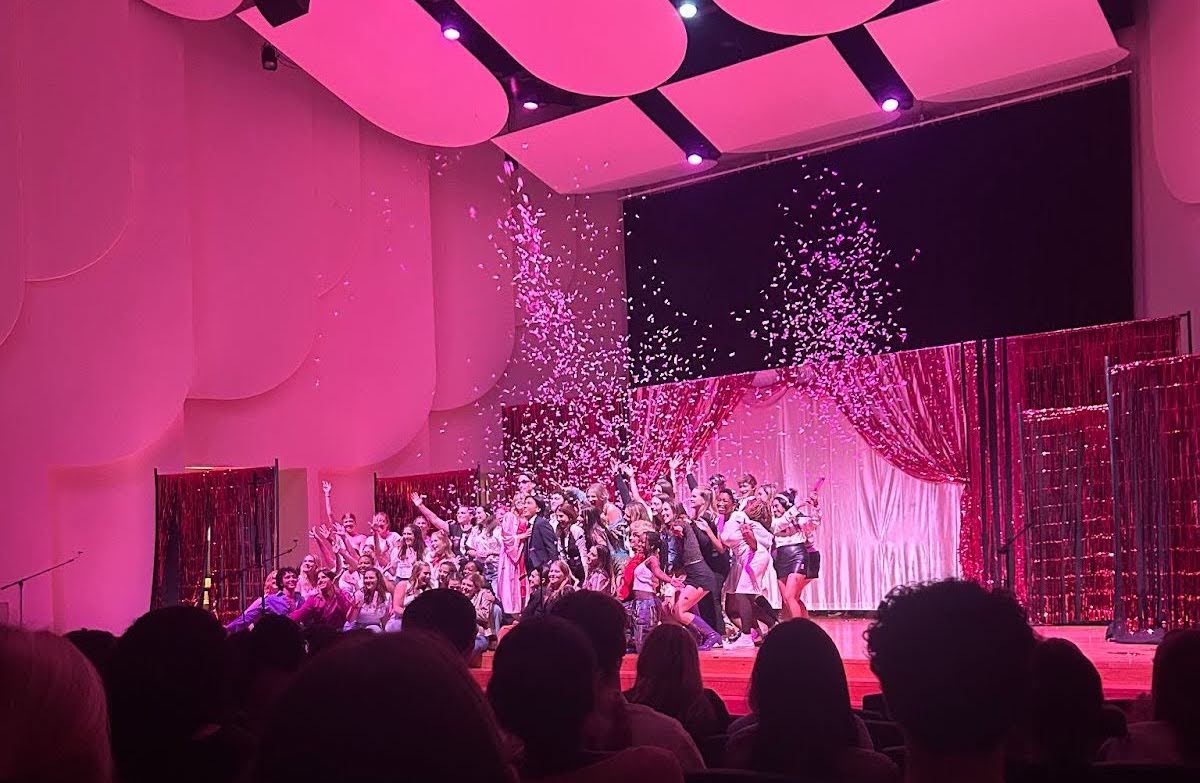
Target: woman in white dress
x,y
751,588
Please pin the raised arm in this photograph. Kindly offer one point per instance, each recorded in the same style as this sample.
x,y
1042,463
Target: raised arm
x,y
247,618
327,488
673,464
324,547
427,512
633,487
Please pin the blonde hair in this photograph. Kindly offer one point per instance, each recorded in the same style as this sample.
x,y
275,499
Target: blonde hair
x,y
54,716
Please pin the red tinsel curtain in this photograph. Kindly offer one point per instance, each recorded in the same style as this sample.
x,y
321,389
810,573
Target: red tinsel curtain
x,y
218,525
443,492
679,419
1068,496
1156,452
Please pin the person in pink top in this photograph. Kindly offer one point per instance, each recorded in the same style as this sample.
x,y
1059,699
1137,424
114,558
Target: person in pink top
x,y
328,608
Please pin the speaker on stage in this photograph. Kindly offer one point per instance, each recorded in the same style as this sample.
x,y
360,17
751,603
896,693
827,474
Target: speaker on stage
x,y
278,12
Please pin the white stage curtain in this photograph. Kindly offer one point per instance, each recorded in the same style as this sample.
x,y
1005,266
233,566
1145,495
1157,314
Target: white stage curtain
x,y
881,528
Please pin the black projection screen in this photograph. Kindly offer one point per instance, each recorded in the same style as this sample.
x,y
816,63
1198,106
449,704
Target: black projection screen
x,y
1022,217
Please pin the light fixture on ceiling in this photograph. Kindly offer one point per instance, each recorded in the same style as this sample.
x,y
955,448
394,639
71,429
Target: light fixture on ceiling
x,y
270,57
450,32
688,9
695,158
890,104
278,12
530,105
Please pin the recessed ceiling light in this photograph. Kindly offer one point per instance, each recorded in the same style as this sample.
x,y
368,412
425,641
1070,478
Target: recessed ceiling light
x,y
451,33
688,9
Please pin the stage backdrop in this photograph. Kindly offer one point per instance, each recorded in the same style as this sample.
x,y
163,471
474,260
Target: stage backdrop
x,y
882,527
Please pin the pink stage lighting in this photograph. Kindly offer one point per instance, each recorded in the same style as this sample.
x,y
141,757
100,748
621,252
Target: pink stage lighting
x,y
451,33
890,104
695,159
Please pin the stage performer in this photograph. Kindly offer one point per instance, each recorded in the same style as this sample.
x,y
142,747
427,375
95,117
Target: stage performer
x,y
407,590
328,608
510,573
751,588
797,562
409,552
697,577
371,606
571,543
484,546
382,539
307,583
543,543
704,522
746,487
439,554
647,577
599,567
283,600
348,525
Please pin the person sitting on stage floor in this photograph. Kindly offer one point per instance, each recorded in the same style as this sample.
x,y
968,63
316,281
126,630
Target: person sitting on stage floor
x,y
802,723
474,588
954,663
351,580
669,680
543,593
328,608
449,615
283,600
440,557
371,605
542,689
615,724
452,738
1173,737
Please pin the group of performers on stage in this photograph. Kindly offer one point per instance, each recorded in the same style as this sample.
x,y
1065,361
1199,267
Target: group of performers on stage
x,y
690,555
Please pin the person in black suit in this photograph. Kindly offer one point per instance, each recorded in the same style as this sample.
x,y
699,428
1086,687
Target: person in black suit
x,y
543,543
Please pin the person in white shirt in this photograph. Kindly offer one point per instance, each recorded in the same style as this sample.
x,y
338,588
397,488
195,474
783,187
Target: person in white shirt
x,y
797,561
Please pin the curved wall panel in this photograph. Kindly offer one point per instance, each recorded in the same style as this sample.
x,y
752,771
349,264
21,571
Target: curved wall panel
x,y
199,10
1175,53
804,17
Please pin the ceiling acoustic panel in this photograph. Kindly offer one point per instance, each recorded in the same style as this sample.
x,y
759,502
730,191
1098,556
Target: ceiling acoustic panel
x,y
804,17
795,96
955,50
610,147
388,61
622,48
199,10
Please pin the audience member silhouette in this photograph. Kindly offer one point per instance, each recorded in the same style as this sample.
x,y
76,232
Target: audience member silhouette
x,y
445,613
668,680
954,663
53,715
1065,726
97,646
543,691
169,688
615,724
352,695
805,725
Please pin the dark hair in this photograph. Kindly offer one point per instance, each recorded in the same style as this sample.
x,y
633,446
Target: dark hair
x,y
418,541
275,642
284,571
97,646
953,660
169,676
799,693
748,478
1175,686
653,542
1066,705
758,511
729,492
668,674
379,594
329,572
402,668
543,685
602,620
445,613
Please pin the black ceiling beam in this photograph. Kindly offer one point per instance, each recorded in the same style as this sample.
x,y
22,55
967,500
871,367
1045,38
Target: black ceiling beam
x,y
871,66
675,125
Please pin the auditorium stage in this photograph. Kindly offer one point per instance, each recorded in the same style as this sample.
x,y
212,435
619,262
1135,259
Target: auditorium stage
x,y
1124,668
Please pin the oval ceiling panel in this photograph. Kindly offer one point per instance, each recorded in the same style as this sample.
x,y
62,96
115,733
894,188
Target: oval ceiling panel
x,y
388,60
627,47
200,10
804,17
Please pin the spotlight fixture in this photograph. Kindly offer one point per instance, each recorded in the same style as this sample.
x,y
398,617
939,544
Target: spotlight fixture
x,y
530,105
278,12
450,32
270,58
695,158
687,9
890,104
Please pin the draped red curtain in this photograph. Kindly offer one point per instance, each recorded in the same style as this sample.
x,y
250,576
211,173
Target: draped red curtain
x,y
679,419
215,524
444,492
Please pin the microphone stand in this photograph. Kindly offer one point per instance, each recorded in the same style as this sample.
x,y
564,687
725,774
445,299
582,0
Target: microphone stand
x,y
20,585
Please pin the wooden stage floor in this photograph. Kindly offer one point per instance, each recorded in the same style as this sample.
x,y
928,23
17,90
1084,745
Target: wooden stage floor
x,y
1124,668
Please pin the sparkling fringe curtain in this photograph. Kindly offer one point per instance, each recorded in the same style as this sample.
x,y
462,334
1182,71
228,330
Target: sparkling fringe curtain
x,y
443,492
570,444
1156,451
217,523
1068,502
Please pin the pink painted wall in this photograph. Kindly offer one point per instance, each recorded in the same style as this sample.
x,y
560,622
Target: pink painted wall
x,y
203,263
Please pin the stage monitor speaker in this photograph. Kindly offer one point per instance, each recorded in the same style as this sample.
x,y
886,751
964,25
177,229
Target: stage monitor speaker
x,y
278,12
